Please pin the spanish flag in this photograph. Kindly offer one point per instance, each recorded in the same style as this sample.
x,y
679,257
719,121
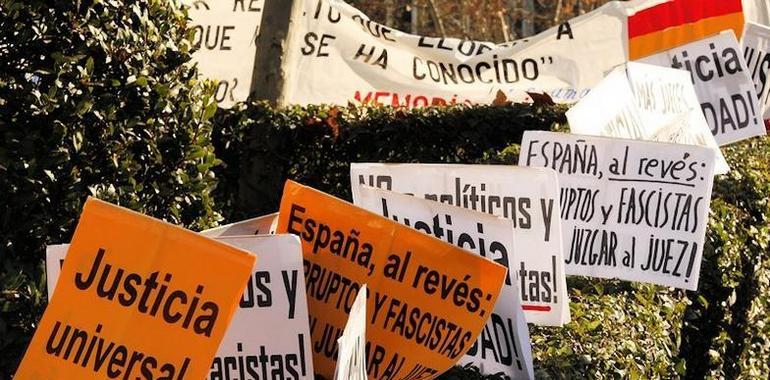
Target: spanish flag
x,y
679,22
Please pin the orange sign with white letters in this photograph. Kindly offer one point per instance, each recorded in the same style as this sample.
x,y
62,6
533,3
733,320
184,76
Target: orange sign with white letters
x,y
137,298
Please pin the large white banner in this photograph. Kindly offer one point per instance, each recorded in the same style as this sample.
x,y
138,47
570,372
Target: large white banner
x,y
757,11
645,102
526,196
756,51
633,210
269,332
504,344
339,55
725,89
225,39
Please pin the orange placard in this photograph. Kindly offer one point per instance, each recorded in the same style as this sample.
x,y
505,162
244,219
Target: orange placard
x,y
427,300
137,298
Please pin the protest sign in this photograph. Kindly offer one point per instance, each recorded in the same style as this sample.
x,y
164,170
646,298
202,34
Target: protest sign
x,y
526,196
274,297
645,102
132,292
609,110
725,90
225,39
503,346
677,22
633,210
269,333
756,51
263,225
351,364
757,11
428,299
54,258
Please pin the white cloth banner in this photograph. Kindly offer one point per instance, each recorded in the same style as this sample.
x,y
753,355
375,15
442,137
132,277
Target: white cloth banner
x,y
526,196
504,344
351,357
633,210
645,102
225,39
756,51
725,89
271,320
338,55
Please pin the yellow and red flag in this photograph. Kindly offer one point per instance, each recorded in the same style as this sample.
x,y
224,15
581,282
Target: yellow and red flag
x,y
679,22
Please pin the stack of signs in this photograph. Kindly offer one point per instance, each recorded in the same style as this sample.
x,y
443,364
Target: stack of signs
x,y
128,277
225,39
645,102
351,360
428,300
526,196
723,85
756,51
274,292
633,210
503,346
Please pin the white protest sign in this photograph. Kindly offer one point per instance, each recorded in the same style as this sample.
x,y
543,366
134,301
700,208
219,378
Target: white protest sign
x,y
351,362
645,102
269,332
262,225
723,85
504,344
757,11
527,196
54,258
609,110
756,51
389,67
225,39
633,210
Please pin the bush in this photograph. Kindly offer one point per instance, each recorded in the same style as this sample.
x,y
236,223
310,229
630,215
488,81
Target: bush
x,y
95,99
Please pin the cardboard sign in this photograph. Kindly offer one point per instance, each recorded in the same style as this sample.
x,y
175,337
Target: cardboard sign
x,y
723,85
757,11
645,102
263,225
274,297
633,210
351,363
756,51
526,196
610,109
54,259
225,39
132,292
504,345
269,332
428,300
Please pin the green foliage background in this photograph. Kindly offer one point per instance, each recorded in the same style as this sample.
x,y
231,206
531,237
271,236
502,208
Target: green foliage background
x,y
96,99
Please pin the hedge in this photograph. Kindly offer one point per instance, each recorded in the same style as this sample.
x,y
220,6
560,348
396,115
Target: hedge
x,y
619,329
95,99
